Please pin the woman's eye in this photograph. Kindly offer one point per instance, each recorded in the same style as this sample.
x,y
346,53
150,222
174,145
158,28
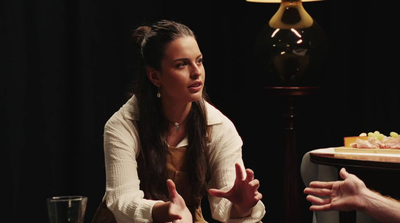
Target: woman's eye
x,y
200,61
181,65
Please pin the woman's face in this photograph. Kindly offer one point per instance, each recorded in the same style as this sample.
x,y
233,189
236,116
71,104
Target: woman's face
x,y
182,72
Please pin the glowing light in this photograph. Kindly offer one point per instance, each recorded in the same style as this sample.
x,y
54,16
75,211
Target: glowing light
x,y
295,32
275,32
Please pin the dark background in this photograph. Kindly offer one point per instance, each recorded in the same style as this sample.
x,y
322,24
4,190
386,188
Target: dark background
x,y
65,67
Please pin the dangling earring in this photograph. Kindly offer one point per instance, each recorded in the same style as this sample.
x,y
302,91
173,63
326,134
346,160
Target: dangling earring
x,y
158,92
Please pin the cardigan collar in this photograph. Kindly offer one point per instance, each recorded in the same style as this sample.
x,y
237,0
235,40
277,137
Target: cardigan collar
x,y
131,111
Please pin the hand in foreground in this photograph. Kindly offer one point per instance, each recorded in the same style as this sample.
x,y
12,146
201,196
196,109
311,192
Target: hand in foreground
x,y
244,194
178,211
343,195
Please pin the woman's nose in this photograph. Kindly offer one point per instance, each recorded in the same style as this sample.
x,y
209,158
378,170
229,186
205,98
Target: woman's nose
x,y
195,72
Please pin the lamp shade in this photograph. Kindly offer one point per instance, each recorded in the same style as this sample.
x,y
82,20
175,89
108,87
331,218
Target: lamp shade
x,y
278,1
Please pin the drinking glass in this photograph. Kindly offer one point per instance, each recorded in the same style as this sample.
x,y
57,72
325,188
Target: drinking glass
x,y
67,209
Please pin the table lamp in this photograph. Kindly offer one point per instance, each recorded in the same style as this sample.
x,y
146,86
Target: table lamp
x,y
291,49
291,46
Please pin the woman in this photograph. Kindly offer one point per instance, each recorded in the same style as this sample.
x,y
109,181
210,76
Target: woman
x,y
167,145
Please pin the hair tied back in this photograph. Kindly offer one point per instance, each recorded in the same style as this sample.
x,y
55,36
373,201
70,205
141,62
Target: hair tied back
x,y
140,35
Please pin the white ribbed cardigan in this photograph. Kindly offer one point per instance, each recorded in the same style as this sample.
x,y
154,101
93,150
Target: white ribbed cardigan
x,y
121,146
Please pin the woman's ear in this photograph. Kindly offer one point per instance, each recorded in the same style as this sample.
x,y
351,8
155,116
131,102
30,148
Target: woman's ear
x,y
154,76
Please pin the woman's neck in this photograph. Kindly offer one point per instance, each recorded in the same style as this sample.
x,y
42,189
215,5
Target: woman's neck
x,y
176,112
176,115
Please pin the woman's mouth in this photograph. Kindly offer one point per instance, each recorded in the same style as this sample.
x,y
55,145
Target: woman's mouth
x,y
195,87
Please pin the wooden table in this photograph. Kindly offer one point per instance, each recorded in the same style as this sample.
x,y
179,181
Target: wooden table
x,y
345,157
342,157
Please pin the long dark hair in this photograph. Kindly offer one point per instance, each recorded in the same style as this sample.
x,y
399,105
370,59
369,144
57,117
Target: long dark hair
x,y
152,42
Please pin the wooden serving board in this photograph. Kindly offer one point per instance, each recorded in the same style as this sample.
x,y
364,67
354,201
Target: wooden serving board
x,y
344,149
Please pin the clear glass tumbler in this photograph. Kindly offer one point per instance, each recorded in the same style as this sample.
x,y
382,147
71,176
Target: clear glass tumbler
x,y
67,209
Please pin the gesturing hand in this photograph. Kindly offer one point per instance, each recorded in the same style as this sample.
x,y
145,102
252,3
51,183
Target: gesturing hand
x,y
340,195
178,211
244,194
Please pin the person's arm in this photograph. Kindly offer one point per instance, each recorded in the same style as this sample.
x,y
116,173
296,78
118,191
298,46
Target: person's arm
x,y
123,195
352,194
382,208
225,149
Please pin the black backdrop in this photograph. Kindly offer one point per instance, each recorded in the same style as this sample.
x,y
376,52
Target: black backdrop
x,y
66,65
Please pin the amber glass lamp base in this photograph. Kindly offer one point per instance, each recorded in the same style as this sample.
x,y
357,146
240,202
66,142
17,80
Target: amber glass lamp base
x,y
291,47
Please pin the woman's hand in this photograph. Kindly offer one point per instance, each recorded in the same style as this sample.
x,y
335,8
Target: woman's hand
x,y
174,210
178,211
244,194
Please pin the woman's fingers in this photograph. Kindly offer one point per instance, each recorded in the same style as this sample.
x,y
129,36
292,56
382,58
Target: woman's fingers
x,y
171,189
249,175
239,172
